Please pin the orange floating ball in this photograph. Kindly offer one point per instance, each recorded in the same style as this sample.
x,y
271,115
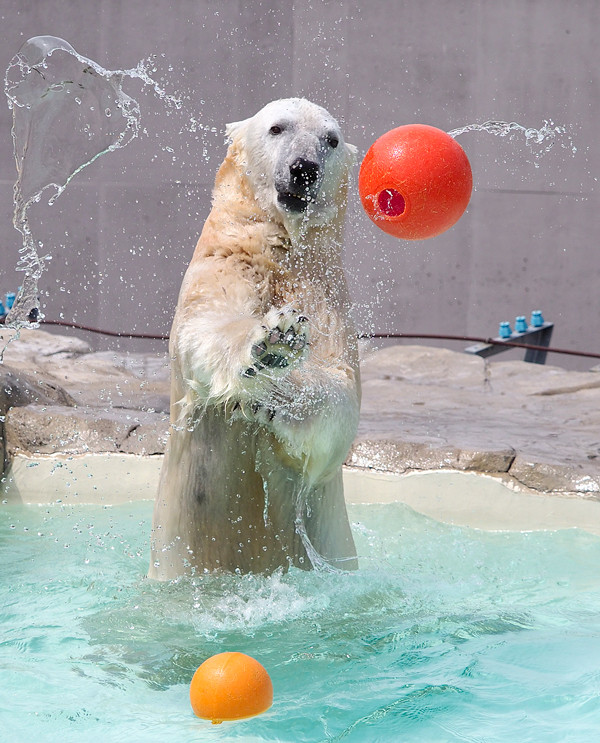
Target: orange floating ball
x,y
415,182
230,686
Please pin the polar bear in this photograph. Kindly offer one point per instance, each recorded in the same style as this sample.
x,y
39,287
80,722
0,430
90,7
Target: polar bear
x,y
265,388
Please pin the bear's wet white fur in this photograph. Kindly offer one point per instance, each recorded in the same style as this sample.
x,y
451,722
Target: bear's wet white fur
x,y
265,387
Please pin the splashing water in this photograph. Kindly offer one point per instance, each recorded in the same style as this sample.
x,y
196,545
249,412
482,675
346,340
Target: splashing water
x,y
67,112
546,135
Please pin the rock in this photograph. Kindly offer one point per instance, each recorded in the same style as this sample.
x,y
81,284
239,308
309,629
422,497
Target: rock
x,y
20,388
138,381
423,408
59,396
389,455
551,478
24,346
95,380
428,408
422,365
37,429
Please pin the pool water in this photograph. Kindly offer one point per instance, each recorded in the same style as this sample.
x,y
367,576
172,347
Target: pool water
x,y
444,634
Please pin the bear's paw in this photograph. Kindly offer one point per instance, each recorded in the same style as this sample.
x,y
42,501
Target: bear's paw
x,y
281,342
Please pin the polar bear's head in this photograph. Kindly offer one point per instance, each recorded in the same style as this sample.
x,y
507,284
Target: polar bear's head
x,y
295,157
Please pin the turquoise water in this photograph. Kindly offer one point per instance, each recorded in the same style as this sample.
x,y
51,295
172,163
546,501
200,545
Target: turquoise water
x,y
444,634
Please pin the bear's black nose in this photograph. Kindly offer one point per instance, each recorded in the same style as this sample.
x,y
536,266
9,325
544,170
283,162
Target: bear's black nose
x,y
304,173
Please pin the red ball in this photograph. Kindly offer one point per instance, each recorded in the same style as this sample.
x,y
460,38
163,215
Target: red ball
x,y
415,182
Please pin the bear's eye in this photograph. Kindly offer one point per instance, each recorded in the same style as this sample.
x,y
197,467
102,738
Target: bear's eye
x,y
276,129
333,141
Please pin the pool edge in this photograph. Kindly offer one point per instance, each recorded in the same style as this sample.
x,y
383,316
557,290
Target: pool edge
x,y
477,500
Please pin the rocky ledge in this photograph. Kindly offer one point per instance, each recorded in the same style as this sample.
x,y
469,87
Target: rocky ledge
x,y
60,397
430,409
423,409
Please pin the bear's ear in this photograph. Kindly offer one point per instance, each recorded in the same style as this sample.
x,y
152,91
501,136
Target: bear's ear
x,y
353,151
233,130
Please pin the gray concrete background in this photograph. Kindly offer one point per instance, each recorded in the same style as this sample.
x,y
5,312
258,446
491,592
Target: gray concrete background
x,y
122,234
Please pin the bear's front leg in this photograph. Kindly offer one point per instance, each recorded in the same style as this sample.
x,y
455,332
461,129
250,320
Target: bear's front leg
x,y
234,355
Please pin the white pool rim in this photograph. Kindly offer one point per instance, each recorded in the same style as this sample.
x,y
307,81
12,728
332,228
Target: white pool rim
x,y
455,497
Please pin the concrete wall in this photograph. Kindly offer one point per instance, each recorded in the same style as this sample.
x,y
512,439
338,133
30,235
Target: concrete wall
x,y
122,234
